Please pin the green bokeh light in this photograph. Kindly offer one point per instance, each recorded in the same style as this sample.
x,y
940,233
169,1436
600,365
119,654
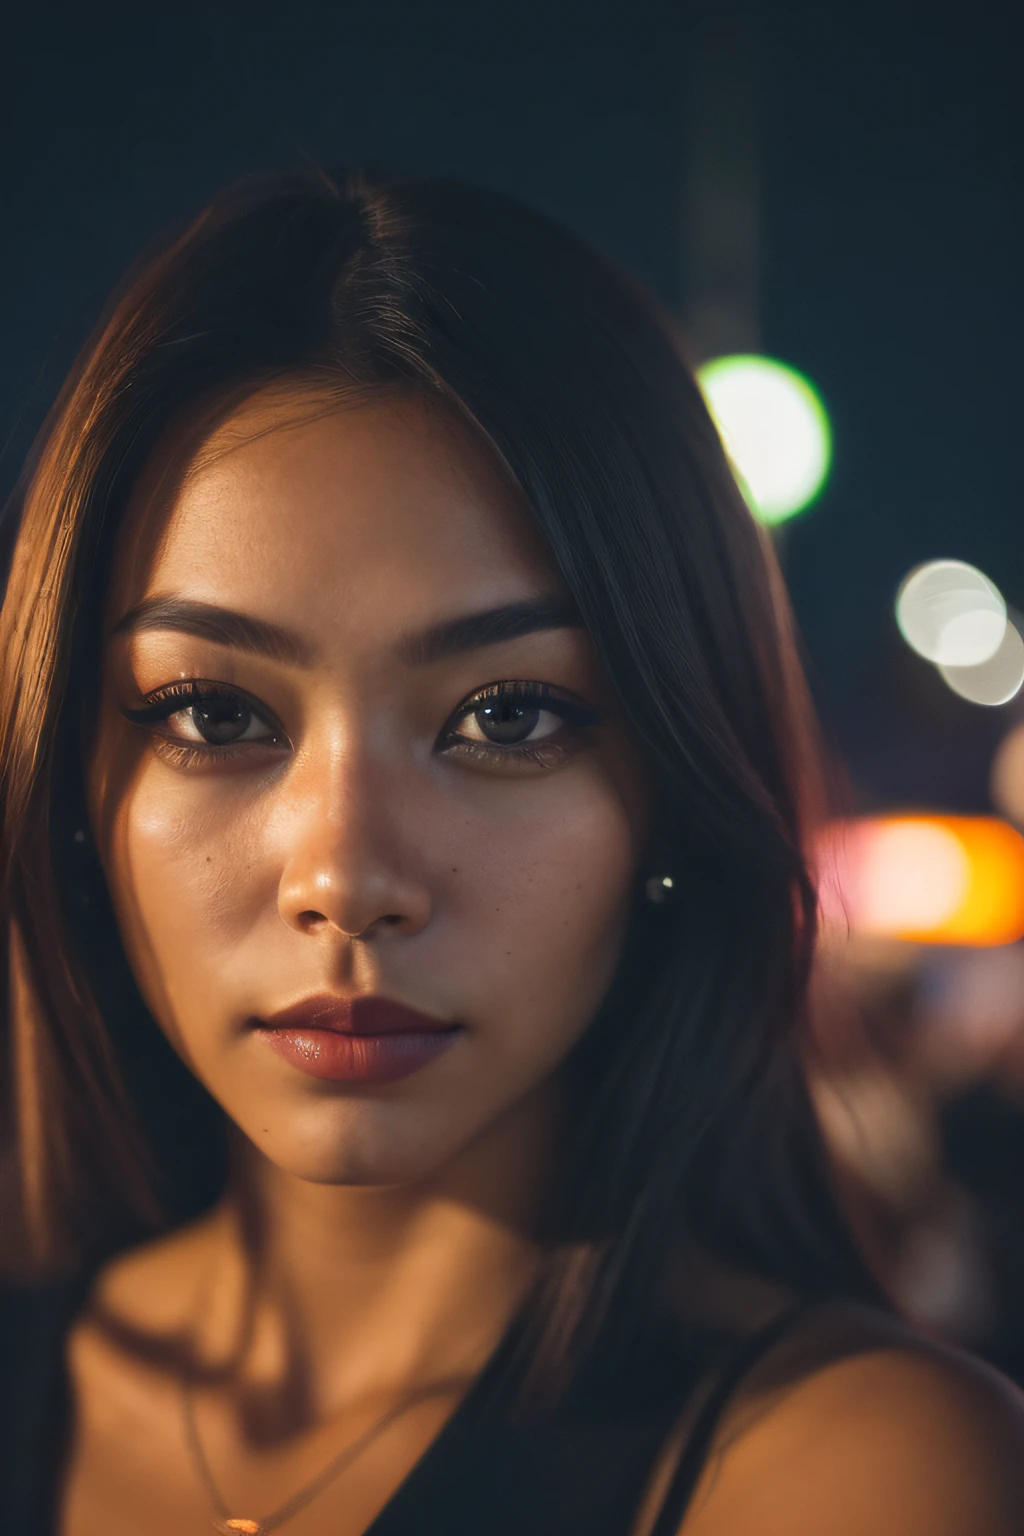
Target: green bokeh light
x,y
775,429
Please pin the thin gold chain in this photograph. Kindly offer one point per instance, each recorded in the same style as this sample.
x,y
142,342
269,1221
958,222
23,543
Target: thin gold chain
x,y
309,1491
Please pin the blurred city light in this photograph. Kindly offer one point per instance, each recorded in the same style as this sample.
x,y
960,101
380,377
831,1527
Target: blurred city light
x,y
929,879
951,614
1006,779
775,430
996,680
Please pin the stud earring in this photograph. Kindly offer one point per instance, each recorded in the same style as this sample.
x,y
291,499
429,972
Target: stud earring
x,y
659,889
80,874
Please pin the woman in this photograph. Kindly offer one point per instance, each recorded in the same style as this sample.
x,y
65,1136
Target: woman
x,y
406,770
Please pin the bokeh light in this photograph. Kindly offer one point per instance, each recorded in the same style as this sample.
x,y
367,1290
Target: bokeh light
x,y
1006,777
929,879
951,614
996,680
775,430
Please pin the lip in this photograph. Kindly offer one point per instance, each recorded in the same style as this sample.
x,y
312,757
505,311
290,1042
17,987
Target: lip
x,y
364,1039
365,1014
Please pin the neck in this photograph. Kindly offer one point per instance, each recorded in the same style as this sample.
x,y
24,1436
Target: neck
x,y
370,1290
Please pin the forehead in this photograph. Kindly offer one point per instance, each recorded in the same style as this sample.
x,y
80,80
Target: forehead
x,y
332,511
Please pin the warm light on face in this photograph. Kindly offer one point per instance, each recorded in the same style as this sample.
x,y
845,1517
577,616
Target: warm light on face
x,y
775,430
376,799
931,879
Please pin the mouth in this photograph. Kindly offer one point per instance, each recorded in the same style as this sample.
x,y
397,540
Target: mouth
x,y
364,1039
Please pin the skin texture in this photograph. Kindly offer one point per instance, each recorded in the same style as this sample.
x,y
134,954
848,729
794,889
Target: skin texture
x,y
377,1238
491,893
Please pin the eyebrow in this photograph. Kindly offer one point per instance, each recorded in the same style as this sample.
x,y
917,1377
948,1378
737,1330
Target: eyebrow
x,y
451,637
491,627
208,621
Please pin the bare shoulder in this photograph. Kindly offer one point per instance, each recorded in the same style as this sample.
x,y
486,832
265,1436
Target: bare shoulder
x,y
154,1272
125,1355
854,1424
142,1303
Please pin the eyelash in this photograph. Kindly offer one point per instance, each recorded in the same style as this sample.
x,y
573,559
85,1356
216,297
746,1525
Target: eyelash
x,y
549,752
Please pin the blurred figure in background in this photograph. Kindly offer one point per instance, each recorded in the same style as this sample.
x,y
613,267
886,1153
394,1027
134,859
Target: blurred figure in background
x,y
920,1085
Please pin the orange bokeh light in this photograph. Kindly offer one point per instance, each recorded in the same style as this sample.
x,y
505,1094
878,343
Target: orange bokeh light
x,y
928,879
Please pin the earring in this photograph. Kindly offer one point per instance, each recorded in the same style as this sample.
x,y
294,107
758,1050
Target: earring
x,y
80,874
658,889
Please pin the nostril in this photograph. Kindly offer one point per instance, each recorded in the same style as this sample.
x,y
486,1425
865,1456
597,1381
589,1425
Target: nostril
x,y
310,919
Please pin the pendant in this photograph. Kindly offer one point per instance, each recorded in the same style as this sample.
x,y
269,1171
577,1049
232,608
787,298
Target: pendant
x,y
232,1527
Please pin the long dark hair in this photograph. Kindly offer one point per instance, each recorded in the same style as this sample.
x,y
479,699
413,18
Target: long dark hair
x,y
690,1111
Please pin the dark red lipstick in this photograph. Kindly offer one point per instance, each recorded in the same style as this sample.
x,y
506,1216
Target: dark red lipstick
x,y
356,1039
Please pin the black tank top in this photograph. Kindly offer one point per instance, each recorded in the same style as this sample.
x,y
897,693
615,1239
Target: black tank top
x,y
580,1471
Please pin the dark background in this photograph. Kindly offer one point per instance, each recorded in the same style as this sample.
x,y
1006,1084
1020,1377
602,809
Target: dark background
x,y
890,159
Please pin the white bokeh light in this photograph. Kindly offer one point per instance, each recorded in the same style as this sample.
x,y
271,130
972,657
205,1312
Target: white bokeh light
x,y
993,681
951,614
775,430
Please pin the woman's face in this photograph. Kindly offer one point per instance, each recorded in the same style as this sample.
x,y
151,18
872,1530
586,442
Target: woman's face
x,y
378,765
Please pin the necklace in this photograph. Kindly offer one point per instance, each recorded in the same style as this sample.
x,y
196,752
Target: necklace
x,y
230,1525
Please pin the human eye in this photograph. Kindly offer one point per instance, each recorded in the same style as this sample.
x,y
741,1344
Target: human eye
x,y
517,724
204,721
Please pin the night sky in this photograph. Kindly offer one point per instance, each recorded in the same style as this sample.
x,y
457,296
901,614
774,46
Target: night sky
x,y
891,155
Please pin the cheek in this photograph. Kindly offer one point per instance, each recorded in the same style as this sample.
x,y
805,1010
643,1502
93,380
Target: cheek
x,y
183,891
530,887
543,906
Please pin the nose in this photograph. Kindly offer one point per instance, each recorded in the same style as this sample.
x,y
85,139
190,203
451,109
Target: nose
x,y
352,863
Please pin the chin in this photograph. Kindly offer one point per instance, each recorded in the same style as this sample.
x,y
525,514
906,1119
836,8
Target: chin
x,y
360,1146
